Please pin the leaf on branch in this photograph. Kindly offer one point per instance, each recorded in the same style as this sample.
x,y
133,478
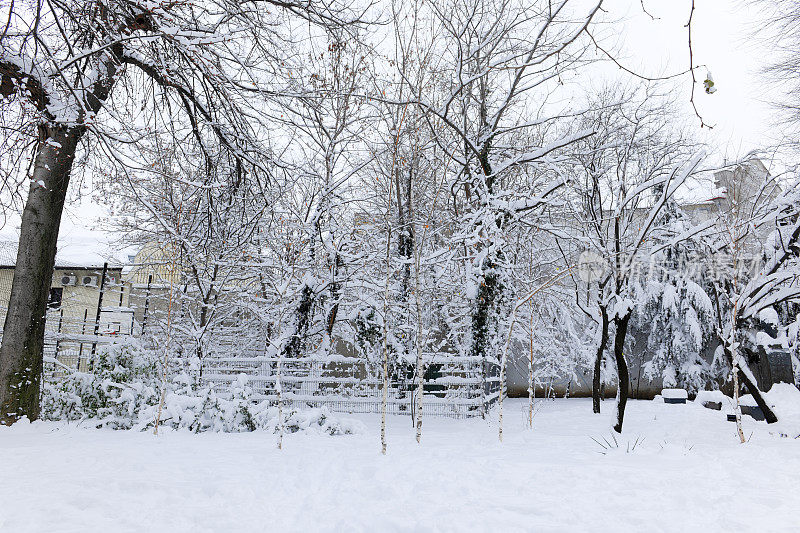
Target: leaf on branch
x,y
708,84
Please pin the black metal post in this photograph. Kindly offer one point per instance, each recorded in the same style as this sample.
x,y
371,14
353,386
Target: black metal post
x,y
146,301
83,332
58,333
97,317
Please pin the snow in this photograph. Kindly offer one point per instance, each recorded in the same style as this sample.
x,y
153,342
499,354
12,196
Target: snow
x,y
712,396
786,399
78,253
675,394
765,339
769,315
689,473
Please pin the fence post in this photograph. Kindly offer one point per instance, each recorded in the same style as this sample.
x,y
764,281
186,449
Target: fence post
x,y
484,385
146,302
58,333
97,317
83,332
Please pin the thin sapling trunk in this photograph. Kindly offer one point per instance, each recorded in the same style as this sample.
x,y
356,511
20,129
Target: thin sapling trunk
x,y
623,373
601,348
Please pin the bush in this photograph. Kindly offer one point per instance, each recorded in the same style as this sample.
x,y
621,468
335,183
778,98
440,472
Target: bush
x,y
123,392
124,380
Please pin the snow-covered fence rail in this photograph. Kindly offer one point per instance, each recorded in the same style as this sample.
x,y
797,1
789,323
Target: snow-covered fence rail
x,y
456,387
75,328
65,351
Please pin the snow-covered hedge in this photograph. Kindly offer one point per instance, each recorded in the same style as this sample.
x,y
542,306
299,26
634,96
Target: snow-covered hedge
x,y
206,411
123,392
123,382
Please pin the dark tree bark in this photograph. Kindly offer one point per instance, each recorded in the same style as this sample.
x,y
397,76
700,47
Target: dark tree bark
x,y
205,313
21,361
405,240
482,316
335,295
491,287
601,348
623,375
405,250
23,333
294,347
753,389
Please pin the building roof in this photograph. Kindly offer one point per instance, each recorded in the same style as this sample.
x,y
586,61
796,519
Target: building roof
x,y
698,190
712,185
8,259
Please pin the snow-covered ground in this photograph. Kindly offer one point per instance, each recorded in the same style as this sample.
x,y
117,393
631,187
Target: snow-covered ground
x,y
689,474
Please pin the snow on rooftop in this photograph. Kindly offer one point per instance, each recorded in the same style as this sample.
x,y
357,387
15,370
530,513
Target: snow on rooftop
x,y
70,255
698,190
82,241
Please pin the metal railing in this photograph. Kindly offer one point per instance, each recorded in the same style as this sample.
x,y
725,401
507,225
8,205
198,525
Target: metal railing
x,y
458,387
454,386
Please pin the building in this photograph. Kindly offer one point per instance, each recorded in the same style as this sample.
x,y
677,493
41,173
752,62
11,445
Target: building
x,y
85,307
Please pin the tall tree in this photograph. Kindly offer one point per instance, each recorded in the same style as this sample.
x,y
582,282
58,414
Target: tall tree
x,y
499,61
626,178
97,76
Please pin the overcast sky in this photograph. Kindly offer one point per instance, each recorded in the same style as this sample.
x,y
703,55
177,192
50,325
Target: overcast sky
x,y
722,37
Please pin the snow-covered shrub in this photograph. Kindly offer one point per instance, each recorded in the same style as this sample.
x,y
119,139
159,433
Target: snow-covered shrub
x,y
123,381
123,392
203,409
208,411
320,419
676,316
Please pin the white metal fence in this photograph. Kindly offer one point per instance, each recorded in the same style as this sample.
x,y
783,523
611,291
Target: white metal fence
x,y
456,387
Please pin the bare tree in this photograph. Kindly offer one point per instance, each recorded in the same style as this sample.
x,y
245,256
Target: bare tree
x,y
782,18
497,59
627,176
203,218
200,69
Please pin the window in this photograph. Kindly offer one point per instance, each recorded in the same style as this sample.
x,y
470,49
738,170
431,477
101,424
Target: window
x,y
54,300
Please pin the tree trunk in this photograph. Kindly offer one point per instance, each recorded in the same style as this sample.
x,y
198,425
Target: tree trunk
x,y
294,348
600,350
624,380
482,315
335,295
21,360
753,389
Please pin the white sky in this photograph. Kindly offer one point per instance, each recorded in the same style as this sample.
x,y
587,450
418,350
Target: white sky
x,y
722,37
723,40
